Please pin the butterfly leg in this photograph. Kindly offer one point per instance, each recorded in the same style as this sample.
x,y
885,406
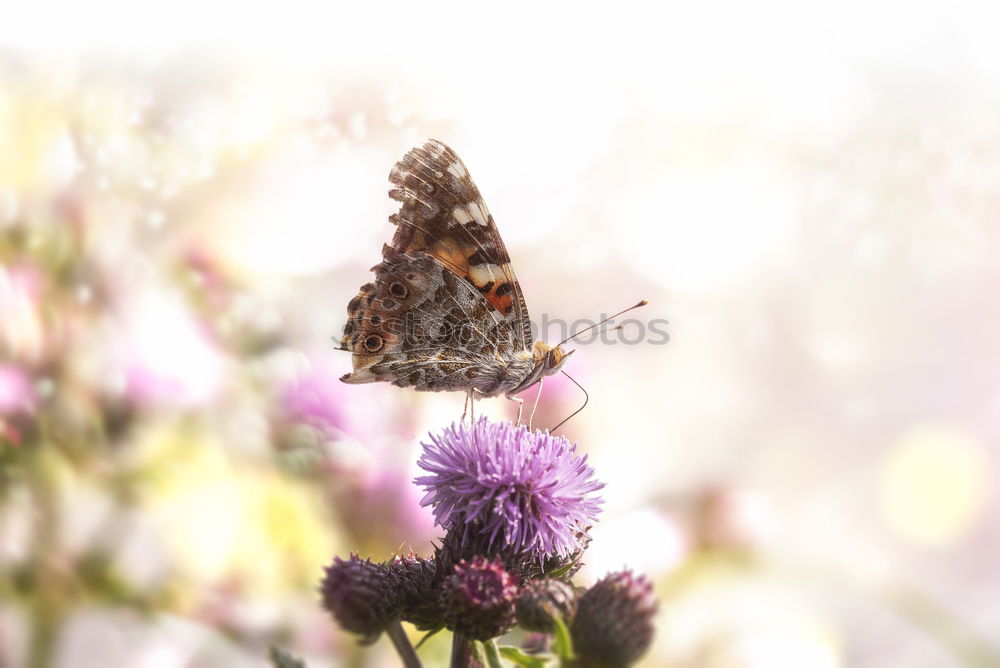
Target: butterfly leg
x,y
520,408
538,395
470,405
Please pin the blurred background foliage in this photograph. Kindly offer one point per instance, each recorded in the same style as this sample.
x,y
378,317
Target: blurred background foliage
x,y
808,469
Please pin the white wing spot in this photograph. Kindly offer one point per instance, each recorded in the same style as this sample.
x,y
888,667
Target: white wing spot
x,y
461,215
457,169
481,274
479,212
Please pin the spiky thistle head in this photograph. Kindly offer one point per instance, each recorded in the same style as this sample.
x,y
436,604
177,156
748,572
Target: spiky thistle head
x,y
361,596
418,582
540,600
613,625
479,598
519,491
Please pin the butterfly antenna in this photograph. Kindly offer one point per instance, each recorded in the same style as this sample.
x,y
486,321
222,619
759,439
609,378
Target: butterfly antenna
x,y
642,303
586,398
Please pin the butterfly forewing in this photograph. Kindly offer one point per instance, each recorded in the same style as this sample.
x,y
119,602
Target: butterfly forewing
x,y
443,214
445,311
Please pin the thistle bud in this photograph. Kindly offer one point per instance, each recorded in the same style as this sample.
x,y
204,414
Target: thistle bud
x,y
361,597
613,625
420,591
540,599
479,599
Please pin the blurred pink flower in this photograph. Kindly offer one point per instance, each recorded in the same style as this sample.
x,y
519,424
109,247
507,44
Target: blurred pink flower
x,y
21,331
386,505
373,494
17,394
168,357
316,398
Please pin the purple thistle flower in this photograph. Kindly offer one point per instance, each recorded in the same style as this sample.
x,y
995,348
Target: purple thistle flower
x,y
525,492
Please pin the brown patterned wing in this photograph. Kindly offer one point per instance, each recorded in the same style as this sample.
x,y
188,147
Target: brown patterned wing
x,y
419,325
443,214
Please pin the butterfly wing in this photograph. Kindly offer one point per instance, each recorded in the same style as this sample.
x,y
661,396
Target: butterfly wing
x,y
445,311
443,215
418,325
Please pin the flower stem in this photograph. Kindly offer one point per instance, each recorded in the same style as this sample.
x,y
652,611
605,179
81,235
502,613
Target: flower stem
x,y
492,654
462,655
402,644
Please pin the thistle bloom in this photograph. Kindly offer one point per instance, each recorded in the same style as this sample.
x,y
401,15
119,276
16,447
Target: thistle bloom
x,y
613,625
479,599
519,491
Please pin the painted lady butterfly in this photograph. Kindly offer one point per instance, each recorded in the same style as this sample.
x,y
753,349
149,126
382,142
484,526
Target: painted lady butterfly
x,y
445,311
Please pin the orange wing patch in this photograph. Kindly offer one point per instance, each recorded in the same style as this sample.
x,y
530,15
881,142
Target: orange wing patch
x,y
490,279
442,214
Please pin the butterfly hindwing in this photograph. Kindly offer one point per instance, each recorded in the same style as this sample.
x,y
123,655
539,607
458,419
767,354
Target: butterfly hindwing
x,y
418,325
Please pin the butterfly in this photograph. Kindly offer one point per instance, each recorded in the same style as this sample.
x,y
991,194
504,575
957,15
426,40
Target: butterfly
x,y
445,311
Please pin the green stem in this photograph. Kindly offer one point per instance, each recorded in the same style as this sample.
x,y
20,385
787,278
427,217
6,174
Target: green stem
x,y
48,605
492,653
462,653
403,646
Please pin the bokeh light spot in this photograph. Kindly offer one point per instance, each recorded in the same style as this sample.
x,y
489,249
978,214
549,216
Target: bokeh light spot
x,y
934,483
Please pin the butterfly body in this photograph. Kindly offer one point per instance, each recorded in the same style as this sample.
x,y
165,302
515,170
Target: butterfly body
x,y
445,312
